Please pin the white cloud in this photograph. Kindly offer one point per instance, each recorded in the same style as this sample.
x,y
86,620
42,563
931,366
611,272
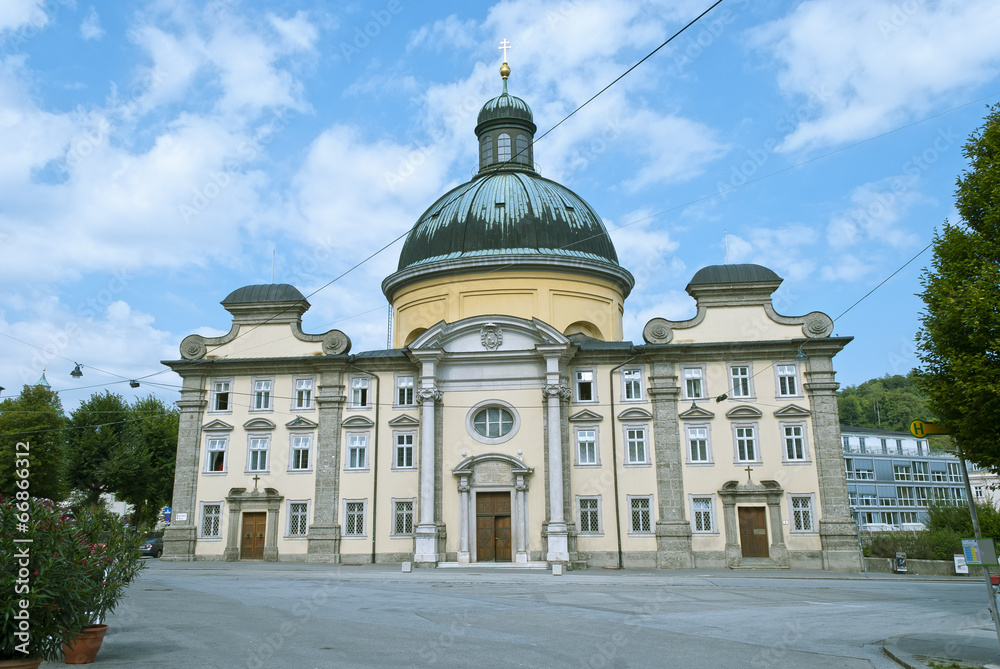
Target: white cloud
x,y
863,66
446,34
297,33
22,15
787,250
875,215
91,26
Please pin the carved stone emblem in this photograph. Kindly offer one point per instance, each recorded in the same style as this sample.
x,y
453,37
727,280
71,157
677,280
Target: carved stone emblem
x,y
336,342
492,472
193,347
491,335
657,331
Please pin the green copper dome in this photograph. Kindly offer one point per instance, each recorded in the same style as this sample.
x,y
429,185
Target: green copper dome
x,y
508,212
507,216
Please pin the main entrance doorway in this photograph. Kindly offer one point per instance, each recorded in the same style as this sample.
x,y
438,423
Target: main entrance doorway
x,y
753,531
252,547
493,527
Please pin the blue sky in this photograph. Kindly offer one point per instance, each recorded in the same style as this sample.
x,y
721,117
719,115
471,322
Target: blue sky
x,y
155,154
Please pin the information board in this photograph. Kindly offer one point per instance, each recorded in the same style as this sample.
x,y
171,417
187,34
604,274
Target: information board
x,y
979,552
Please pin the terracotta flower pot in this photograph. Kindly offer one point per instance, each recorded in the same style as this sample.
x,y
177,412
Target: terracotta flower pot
x,y
83,649
26,663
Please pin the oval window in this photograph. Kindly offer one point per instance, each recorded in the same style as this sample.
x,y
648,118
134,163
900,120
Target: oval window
x,y
493,422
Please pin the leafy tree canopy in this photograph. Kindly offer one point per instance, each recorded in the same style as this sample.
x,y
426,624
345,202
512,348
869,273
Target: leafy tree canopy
x,y
960,334
96,430
886,403
36,418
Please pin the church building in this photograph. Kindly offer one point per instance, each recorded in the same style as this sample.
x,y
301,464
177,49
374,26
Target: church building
x,y
510,422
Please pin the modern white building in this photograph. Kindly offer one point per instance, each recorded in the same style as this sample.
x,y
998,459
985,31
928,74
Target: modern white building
x,y
510,422
893,477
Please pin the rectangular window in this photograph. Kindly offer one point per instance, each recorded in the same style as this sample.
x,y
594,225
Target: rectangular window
x,y
632,382
954,472
901,473
211,518
923,496
852,498
694,383
262,394
635,440
404,390
849,468
301,446
864,475
920,471
354,519
216,461
590,516
787,384
641,515
795,444
258,454
221,396
899,446
701,511
357,451
904,496
908,517
404,451
847,443
402,521
867,499
584,385
698,444
586,447
359,391
303,394
885,446
746,444
939,476
979,492
861,444
298,516
802,519
739,380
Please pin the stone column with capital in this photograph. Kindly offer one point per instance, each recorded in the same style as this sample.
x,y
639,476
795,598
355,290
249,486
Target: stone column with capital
x,y
426,544
557,531
464,554
324,532
673,530
837,530
520,524
179,539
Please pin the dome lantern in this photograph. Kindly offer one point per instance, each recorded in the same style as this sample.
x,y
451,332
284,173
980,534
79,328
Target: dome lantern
x,y
506,129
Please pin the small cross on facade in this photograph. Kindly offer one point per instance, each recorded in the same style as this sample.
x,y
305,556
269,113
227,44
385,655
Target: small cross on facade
x,y
255,479
748,470
504,45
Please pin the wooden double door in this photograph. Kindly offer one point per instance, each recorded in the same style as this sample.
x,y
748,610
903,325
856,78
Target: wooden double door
x,y
252,543
753,531
493,536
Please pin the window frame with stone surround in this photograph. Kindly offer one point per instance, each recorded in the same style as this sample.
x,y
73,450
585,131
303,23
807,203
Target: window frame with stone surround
x,y
785,392
308,394
783,428
397,447
747,378
794,513
209,439
737,459
361,392
203,516
627,454
217,394
405,391
687,381
633,508
689,460
351,510
580,383
261,395
578,443
694,501
352,464
252,449
632,383
399,512
584,527
294,448
292,515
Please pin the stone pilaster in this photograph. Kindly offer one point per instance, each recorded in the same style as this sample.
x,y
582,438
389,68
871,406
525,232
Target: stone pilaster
x,y
426,544
673,530
837,530
324,532
179,539
557,531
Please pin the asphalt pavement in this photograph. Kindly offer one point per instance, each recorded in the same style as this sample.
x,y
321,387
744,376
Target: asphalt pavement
x,y
302,616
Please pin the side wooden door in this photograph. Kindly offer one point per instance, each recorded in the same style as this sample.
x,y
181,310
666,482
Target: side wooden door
x,y
252,546
753,532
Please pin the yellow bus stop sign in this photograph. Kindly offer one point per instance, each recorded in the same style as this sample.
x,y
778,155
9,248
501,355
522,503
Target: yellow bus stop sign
x,y
920,429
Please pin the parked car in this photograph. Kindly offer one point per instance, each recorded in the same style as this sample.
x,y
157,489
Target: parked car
x,y
153,546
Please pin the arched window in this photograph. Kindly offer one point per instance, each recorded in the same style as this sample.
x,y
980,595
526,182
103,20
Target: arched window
x,y
503,147
523,153
486,150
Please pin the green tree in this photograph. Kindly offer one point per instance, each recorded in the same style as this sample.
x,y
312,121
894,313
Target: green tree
x,y
36,418
886,403
959,341
95,436
143,469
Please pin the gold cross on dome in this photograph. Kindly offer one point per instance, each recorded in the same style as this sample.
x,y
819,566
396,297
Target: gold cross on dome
x,y
504,45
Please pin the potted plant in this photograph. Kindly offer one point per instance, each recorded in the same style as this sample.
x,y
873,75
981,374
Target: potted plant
x,y
112,562
45,591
